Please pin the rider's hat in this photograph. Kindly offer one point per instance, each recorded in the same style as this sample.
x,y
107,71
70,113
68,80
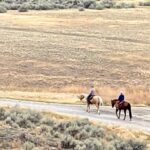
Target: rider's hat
x,y
121,92
92,85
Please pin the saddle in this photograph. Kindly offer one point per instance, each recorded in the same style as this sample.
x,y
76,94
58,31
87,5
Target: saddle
x,y
120,105
90,98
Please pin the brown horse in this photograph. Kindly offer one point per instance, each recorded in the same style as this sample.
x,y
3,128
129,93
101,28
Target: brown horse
x,y
124,106
97,100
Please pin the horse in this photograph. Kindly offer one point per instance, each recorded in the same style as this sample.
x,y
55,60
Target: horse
x,y
97,100
124,106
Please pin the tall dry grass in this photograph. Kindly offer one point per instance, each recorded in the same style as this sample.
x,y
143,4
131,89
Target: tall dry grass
x,y
134,95
138,96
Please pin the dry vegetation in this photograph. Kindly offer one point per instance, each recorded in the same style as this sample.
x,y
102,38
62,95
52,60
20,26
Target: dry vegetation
x,y
27,130
81,5
67,50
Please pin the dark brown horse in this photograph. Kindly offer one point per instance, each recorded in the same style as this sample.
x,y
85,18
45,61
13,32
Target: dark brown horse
x,y
124,106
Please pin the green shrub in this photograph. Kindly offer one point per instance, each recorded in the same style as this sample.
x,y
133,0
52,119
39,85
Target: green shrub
x,y
23,122
110,147
57,135
47,121
63,125
14,6
8,120
28,146
34,117
73,130
8,1
124,5
45,6
109,137
13,116
2,110
59,6
25,119
88,128
144,3
23,8
14,125
44,128
137,145
80,4
93,144
6,5
107,3
129,5
80,147
120,144
68,142
33,139
60,127
2,10
81,9
82,122
36,7
97,132
82,135
99,6
92,6
118,6
88,3
25,5
128,144
29,137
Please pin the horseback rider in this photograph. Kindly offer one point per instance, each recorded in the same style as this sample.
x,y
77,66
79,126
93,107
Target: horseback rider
x,y
91,93
121,98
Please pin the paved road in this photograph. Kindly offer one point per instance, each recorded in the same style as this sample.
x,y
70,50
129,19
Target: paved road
x,y
140,121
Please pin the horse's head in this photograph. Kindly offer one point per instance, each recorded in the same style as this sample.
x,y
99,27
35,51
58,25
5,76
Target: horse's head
x,y
81,97
113,102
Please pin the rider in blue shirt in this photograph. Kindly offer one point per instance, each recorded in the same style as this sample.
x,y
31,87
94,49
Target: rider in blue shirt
x,y
121,98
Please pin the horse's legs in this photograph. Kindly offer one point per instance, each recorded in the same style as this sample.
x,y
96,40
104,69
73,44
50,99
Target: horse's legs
x,y
88,108
119,113
124,114
98,111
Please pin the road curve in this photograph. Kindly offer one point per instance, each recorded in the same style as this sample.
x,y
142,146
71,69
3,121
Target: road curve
x,y
140,121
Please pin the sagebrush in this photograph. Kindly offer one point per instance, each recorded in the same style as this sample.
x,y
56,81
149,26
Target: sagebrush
x,y
23,6
34,131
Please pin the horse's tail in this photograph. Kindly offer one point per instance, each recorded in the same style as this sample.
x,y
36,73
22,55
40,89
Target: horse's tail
x,y
130,113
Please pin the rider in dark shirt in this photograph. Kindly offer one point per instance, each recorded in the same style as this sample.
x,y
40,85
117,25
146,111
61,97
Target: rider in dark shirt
x,y
121,98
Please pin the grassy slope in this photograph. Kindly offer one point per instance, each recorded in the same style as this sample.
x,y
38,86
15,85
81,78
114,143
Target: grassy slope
x,y
63,51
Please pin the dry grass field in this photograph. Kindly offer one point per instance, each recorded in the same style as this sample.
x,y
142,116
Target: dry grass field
x,y
64,51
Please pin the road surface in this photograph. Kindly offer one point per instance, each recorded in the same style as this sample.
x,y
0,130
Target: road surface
x,y
140,121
